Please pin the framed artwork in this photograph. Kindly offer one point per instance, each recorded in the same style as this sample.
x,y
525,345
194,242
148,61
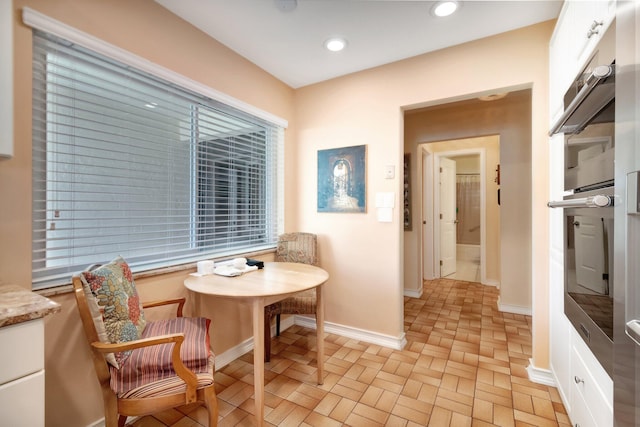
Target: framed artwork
x,y
407,192
342,179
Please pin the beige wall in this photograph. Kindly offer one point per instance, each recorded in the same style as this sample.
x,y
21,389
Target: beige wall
x,y
148,30
363,256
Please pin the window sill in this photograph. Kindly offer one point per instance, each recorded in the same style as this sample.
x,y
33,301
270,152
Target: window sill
x,y
67,287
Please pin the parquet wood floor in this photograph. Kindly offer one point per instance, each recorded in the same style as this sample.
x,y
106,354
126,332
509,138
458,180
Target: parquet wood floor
x,y
464,365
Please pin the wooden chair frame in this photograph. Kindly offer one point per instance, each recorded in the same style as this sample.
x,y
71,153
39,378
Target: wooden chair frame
x,y
118,409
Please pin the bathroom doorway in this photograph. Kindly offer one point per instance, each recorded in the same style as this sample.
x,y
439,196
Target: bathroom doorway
x,y
477,218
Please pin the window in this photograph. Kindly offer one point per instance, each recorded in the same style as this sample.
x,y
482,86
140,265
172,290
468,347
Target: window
x,y
128,164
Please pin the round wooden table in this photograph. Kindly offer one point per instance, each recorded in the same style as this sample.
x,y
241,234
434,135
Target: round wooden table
x,y
275,282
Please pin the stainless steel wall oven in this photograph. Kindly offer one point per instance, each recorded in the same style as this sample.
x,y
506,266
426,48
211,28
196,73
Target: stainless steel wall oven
x,y
588,124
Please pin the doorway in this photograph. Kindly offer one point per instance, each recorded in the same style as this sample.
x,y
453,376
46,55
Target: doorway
x,y
471,159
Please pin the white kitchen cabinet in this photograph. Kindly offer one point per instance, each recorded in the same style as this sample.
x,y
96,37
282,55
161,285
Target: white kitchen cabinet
x,y
22,373
592,388
6,78
22,315
580,26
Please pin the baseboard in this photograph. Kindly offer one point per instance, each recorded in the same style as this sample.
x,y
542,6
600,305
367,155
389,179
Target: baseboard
x,y
396,343
541,376
491,282
99,423
514,309
246,346
413,293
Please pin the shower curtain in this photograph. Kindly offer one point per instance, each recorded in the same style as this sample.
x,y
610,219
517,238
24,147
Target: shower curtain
x,y
468,208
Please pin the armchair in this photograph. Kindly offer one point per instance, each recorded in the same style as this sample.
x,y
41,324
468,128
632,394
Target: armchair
x,y
142,367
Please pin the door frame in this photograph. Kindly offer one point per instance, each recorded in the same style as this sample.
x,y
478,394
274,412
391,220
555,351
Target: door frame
x,y
431,207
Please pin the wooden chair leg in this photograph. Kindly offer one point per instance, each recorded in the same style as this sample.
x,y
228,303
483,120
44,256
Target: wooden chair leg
x,y
211,402
111,416
278,324
267,336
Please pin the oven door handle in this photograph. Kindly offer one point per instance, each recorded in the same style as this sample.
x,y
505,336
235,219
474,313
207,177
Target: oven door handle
x,y
599,73
598,201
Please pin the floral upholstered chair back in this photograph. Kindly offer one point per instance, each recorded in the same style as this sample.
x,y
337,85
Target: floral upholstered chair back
x,y
298,247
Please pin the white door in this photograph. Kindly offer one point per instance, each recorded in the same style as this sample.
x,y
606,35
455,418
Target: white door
x,y
447,217
589,241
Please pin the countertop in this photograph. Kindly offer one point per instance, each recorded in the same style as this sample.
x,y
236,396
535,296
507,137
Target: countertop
x,y
18,305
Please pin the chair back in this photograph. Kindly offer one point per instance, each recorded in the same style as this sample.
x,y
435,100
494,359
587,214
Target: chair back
x,y
91,333
297,247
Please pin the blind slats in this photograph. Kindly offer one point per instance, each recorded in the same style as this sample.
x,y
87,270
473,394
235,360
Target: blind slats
x,y
127,164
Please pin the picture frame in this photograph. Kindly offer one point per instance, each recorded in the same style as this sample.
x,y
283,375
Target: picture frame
x,y
342,180
407,192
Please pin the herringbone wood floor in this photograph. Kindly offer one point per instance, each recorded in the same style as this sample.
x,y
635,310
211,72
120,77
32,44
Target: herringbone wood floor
x,y
463,365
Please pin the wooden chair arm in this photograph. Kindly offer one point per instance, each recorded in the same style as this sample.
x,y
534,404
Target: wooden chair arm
x,y
182,371
179,301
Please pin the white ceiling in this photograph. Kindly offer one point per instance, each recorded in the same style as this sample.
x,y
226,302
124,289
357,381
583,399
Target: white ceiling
x,y
289,45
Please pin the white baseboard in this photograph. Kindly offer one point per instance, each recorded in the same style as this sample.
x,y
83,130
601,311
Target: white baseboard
x,y
99,423
514,309
397,343
413,293
491,282
541,376
246,346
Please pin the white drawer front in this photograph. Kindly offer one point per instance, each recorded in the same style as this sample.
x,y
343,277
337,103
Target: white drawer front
x,y
22,402
21,350
580,414
589,390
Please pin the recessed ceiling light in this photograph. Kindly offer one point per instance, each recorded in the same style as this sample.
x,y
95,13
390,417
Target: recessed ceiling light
x,y
335,44
445,8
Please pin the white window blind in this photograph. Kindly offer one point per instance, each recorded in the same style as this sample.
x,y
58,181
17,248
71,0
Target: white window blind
x,y
127,164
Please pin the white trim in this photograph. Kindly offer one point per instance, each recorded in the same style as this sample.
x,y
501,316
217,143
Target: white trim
x,y
540,376
246,346
42,22
413,293
494,283
514,309
396,343
435,207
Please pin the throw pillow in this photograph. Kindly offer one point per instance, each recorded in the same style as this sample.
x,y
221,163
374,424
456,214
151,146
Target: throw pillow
x,y
115,305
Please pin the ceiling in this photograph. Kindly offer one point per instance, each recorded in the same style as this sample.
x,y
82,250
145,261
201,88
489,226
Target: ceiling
x,y
290,44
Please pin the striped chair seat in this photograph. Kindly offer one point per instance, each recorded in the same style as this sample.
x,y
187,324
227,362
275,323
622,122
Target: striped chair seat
x,y
148,371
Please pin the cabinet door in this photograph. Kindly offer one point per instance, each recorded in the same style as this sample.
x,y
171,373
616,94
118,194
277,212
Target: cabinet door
x,y
21,350
591,21
6,79
22,402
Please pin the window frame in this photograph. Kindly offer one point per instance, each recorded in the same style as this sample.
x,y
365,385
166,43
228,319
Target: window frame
x,y
48,25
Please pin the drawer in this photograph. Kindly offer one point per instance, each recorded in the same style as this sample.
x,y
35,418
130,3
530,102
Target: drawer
x,y
580,414
22,401
21,350
587,389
